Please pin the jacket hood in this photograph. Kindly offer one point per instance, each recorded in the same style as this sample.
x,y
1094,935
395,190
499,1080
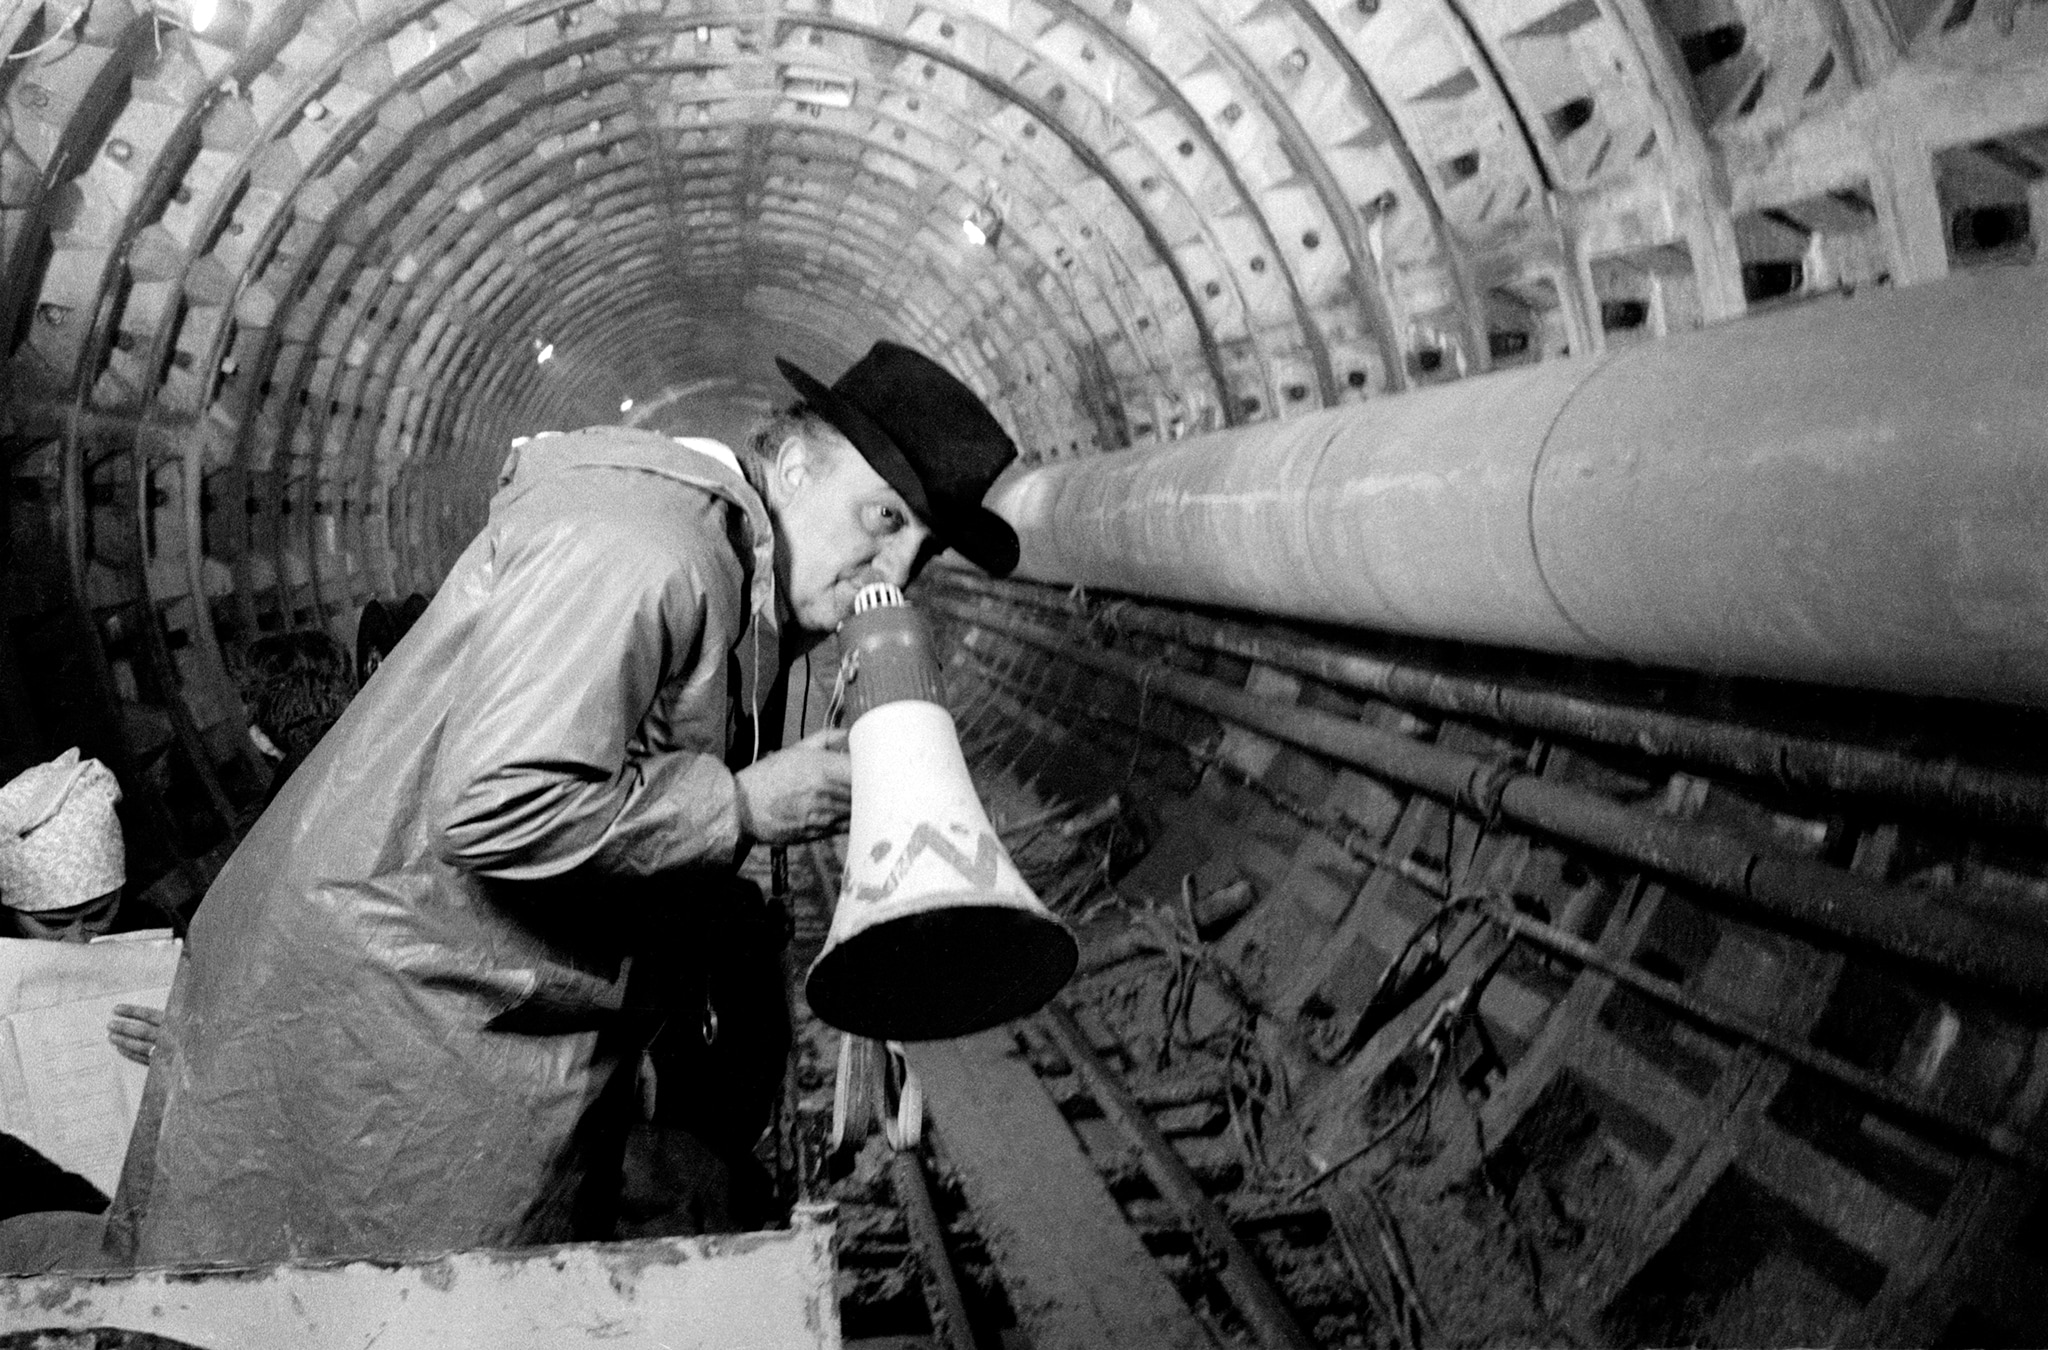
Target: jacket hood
x,y
698,461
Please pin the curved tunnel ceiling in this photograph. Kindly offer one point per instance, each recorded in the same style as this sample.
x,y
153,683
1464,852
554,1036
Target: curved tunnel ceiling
x,y
312,257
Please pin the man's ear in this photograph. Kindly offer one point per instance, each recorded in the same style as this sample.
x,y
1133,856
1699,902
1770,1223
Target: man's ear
x,y
793,464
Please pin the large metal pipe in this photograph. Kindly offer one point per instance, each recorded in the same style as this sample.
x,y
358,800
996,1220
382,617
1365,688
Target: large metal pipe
x,y
1854,491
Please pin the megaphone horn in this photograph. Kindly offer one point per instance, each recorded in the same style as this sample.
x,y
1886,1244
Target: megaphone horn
x,y
935,934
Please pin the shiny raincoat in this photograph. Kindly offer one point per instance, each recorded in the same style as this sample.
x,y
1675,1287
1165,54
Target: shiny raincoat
x,y
404,1023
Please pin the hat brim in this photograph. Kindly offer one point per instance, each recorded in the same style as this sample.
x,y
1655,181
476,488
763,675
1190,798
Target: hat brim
x,y
979,534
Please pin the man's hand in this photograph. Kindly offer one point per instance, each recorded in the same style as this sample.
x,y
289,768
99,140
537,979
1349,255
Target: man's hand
x,y
800,793
135,1031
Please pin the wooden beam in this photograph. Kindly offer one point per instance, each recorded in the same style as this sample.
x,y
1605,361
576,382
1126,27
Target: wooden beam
x,y
1078,1276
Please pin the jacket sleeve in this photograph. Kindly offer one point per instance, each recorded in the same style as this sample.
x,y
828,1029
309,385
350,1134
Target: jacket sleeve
x,y
537,771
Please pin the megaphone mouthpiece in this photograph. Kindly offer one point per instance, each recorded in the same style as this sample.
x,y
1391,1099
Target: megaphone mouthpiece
x,y
875,595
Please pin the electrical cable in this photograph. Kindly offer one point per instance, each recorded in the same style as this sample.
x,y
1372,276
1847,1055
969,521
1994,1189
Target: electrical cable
x,y
69,23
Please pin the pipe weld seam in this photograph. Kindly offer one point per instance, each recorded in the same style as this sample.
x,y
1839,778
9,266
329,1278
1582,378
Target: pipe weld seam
x,y
1486,787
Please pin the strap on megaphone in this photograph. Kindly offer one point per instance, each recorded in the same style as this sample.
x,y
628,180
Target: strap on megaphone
x,y
869,1074
906,1131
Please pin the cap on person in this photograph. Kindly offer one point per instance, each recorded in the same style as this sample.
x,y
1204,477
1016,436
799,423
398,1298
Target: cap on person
x,y
60,841
930,437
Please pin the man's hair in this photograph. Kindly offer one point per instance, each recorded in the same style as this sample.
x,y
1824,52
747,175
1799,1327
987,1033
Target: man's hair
x,y
379,628
376,635
296,708
296,685
273,654
799,419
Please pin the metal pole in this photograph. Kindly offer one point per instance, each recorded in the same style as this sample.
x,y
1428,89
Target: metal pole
x,y
1262,1308
948,1305
1988,944
1955,788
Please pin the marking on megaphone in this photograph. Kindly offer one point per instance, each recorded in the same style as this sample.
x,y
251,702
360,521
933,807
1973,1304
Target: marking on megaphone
x,y
978,871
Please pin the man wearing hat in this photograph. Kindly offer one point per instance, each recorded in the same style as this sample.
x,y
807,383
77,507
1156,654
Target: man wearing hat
x,y
62,864
62,869
415,997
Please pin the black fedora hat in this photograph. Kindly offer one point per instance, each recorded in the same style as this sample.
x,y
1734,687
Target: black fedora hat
x,y
929,436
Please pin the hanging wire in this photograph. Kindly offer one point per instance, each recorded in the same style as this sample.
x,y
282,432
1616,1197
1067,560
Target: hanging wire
x,y
1415,1314
63,30
1251,1082
849,670
1386,1299
803,707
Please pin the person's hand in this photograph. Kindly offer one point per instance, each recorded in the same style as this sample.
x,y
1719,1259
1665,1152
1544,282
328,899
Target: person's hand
x,y
800,793
135,1030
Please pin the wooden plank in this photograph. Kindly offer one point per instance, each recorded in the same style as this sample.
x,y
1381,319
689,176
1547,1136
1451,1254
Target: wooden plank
x,y
1841,1200
1356,943
1551,1053
1967,1251
1615,1067
1728,1118
739,1291
1078,1276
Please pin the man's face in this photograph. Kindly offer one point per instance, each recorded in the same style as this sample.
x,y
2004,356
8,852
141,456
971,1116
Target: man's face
x,y
78,923
842,527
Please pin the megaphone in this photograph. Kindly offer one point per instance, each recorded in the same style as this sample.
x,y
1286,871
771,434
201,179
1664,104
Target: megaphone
x,y
935,933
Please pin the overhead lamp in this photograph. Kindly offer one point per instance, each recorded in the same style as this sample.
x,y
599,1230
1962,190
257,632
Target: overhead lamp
x,y
816,88
74,20
983,225
224,23
625,405
543,352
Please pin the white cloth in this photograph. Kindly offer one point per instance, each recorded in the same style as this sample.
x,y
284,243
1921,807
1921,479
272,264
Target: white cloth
x,y
60,842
